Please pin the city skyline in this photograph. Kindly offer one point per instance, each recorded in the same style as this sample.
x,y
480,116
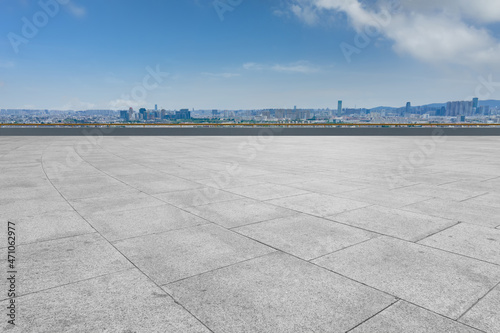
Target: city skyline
x,y
475,102
248,55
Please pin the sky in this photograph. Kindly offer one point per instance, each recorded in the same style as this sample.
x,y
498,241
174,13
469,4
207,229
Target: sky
x,y
246,54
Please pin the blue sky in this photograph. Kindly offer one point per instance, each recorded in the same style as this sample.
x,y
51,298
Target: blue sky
x,y
261,54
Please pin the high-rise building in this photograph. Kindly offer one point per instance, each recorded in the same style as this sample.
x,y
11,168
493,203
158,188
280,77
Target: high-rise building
x,y
183,114
475,105
339,109
279,114
463,108
156,107
475,102
143,114
408,107
125,115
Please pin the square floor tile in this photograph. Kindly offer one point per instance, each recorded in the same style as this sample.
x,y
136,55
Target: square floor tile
x,y
277,293
236,213
305,236
439,192
485,315
383,197
459,211
408,318
170,185
50,264
142,221
318,204
394,222
197,197
327,186
179,254
121,302
470,240
490,199
114,203
266,191
43,227
443,282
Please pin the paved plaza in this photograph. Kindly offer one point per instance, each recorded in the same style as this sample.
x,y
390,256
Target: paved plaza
x,y
252,234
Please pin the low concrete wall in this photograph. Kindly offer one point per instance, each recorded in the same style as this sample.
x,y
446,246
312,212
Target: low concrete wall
x,y
168,131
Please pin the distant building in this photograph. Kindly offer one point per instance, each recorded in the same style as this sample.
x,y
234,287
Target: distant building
x,y
156,107
125,115
303,115
215,113
183,114
408,107
459,108
339,109
143,114
279,114
475,105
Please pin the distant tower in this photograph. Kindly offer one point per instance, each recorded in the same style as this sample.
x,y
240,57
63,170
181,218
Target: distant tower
x,y
475,105
339,109
156,107
408,107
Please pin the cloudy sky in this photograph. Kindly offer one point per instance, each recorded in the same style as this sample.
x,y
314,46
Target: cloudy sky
x,y
246,54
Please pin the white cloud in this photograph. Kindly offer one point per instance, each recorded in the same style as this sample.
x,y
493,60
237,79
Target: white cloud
x,y
305,12
253,66
125,104
453,31
477,10
221,75
76,104
76,10
303,67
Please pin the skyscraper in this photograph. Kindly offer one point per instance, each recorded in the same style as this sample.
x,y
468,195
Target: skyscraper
x,y
143,114
183,114
408,107
463,108
339,109
475,105
475,102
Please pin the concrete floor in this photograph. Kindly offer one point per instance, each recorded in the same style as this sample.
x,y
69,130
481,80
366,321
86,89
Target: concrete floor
x,y
262,234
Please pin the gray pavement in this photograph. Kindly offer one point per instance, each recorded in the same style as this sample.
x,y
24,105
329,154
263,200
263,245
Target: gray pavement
x,y
252,234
